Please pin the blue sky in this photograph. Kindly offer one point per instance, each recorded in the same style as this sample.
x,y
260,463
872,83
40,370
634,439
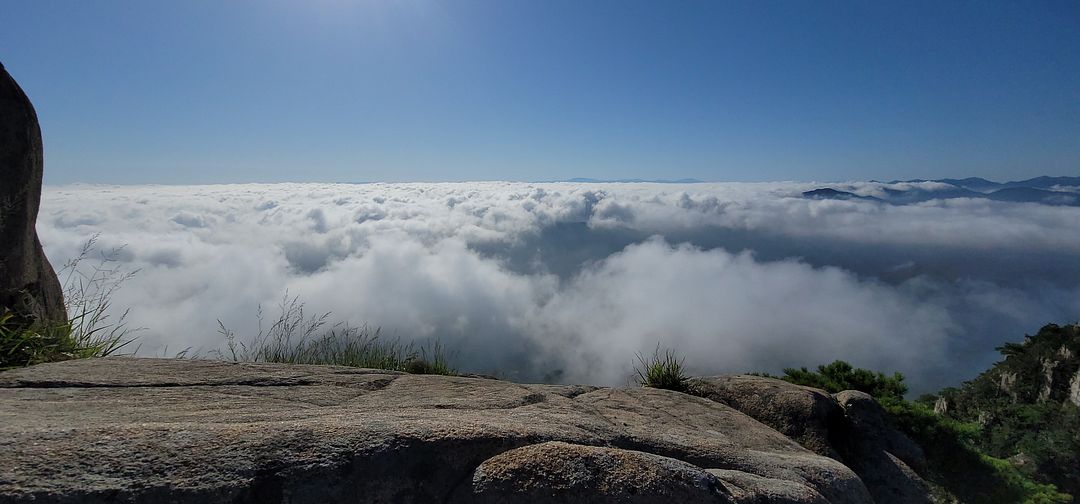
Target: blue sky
x,y
333,90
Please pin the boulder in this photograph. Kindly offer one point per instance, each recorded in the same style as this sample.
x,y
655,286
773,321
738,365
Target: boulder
x,y
28,285
123,429
850,427
805,414
886,460
556,472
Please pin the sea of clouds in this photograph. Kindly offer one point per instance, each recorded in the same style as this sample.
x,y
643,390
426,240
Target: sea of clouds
x,y
567,282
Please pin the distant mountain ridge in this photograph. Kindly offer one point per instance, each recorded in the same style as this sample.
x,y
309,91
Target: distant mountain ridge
x,y
979,184
1043,190
830,193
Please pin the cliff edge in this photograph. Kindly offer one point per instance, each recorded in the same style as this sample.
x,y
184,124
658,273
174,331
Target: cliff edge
x,y
162,430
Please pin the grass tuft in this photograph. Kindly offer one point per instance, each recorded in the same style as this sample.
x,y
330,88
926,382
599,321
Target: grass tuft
x,y
89,332
296,337
663,370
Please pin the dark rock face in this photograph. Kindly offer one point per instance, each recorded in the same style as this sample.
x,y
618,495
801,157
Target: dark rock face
x,y
886,460
164,430
28,284
850,427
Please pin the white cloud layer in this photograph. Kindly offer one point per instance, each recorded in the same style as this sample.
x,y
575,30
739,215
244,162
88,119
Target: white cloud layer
x,y
567,282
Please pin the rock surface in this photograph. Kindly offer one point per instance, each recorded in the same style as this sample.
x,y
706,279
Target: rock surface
x,y
557,472
28,284
750,489
886,460
850,427
1074,389
804,414
161,430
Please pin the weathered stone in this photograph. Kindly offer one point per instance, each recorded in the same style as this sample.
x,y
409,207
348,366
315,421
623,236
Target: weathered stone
x,y
556,472
1074,389
28,285
941,406
750,489
887,461
1007,384
1047,387
852,430
162,430
804,414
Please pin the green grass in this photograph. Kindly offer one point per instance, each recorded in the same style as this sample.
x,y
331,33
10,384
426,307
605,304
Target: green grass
x,y
662,370
25,345
296,337
89,331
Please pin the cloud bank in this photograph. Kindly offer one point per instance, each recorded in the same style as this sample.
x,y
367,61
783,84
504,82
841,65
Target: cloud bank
x,y
566,282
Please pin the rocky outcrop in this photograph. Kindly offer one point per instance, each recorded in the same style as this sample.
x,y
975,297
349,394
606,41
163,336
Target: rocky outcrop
x,y
28,285
850,427
1047,387
1074,389
804,414
162,430
941,406
888,462
1007,384
1033,386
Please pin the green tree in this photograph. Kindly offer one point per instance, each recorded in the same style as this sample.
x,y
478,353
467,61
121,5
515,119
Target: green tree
x,y
843,376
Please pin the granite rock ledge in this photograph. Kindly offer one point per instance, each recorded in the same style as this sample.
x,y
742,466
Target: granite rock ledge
x,y
125,429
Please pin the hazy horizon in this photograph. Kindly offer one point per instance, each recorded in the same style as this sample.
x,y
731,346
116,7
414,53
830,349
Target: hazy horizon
x,y
582,179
